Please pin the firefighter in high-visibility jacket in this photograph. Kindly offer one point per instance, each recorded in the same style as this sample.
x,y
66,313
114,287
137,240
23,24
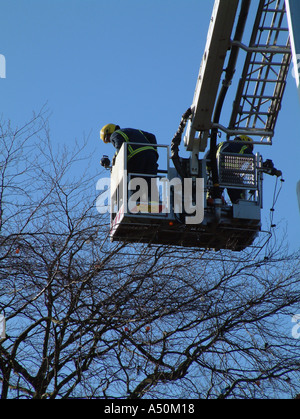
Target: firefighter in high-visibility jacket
x,y
241,145
142,157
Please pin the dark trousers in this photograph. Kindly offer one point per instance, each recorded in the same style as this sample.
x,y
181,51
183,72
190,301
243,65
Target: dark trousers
x,y
144,163
236,194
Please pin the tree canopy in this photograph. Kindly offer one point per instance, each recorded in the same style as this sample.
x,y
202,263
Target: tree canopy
x,y
89,318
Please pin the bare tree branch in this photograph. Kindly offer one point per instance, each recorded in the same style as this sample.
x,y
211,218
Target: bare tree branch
x,y
94,319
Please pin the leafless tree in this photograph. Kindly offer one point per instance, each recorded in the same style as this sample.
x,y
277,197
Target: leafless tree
x,y
93,319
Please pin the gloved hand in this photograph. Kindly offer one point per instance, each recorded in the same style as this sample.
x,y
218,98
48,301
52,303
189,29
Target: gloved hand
x,y
105,162
277,173
268,167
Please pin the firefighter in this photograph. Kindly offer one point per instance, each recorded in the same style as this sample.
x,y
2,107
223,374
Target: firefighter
x,y
241,145
244,145
142,157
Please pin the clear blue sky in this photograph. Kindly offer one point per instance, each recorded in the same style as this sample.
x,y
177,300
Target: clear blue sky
x,y
132,62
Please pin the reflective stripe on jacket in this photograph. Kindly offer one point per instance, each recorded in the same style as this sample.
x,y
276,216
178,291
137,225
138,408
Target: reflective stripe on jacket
x,y
132,149
234,147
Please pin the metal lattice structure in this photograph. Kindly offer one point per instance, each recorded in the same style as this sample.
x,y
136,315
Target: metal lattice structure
x,y
262,84
237,170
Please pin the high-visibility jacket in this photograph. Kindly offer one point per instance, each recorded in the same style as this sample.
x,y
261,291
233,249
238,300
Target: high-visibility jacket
x,y
231,147
130,135
234,147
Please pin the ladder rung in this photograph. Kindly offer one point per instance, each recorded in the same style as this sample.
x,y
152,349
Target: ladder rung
x,y
266,63
265,80
259,113
263,49
258,97
274,10
272,28
279,49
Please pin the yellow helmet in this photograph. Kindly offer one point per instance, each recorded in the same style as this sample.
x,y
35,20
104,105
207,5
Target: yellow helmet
x,y
245,138
107,130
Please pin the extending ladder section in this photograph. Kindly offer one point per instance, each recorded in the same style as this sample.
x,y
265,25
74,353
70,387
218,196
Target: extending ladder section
x,y
262,84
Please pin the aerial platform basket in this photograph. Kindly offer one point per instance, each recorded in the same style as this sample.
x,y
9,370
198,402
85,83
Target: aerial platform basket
x,y
224,226
258,99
